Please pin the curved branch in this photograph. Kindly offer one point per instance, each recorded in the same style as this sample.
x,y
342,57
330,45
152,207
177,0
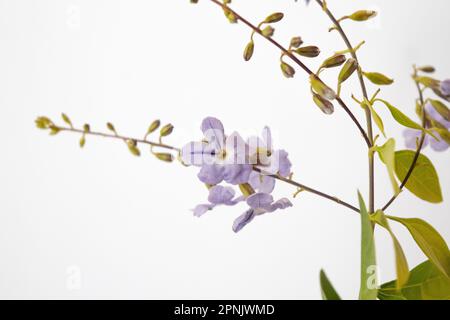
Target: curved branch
x,y
418,151
168,147
298,62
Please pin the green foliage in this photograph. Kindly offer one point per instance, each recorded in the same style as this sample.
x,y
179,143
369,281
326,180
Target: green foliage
x,y
430,242
400,117
368,290
400,259
387,155
425,283
424,181
327,289
378,78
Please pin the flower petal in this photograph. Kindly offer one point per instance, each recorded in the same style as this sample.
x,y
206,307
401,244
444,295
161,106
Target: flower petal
x,y
237,173
221,195
243,220
432,113
211,174
445,87
267,138
440,145
197,154
262,183
279,164
412,138
201,209
260,201
236,149
214,132
280,205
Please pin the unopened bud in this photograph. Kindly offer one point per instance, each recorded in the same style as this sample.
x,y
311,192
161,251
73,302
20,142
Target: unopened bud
x,y
334,61
275,17
246,189
363,15
154,126
43,122
325,105
166,157
166,130
296,42
309,51
268,32
321,88
348,69
248,52
287,70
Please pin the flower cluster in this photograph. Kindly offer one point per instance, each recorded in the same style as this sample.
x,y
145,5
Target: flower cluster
x,y
228,162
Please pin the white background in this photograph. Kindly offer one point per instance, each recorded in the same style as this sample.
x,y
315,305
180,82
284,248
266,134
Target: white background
x,y
122,225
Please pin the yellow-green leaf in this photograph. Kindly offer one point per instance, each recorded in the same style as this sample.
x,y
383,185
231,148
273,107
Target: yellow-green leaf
x,y
327,289
441,109
401,263
387,155
430,242
424,181
378,78
376,117
368,289
426,282
400,117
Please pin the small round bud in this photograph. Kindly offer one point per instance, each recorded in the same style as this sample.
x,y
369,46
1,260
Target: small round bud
x,y
274,17
166,130
287,70
268,31
296,42
363,15
154,126
309,51
249,49
321,88
334,61
166,157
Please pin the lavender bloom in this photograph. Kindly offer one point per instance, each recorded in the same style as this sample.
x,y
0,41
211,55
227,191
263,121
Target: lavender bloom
x,y
445,87
218,195
221,158
260,203
412,137
267,159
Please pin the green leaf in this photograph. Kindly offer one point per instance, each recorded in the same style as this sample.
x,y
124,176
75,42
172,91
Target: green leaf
x,y
401,263
429,241
425,283
378,78
424,181
368,290
441,109
400,117
387,155
328,291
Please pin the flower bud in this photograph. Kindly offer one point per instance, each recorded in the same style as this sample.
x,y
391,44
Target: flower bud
x,y
325,105
274,17
153,127
378,78
82,141
166,157
427,69
166,130
321,88
110,127
132,147
87,128
309,51
248,52
363,15
66,119
348,69
287,70
268,32
43,123
334,61
296,42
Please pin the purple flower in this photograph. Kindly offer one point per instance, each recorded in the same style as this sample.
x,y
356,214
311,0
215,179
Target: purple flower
x,y
412,136
218,195
221,158
445,87
267,159
260,203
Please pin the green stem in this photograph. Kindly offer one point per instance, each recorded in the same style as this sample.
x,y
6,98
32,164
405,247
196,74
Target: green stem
x,y
367,110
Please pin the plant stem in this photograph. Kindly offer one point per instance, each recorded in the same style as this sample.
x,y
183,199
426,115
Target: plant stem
x,y
419,147
367,110
171,148
124,138
289,54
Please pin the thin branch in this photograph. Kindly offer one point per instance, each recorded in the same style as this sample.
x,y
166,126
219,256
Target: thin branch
x,y
298,62
165,146
418,151
119,137
365,95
